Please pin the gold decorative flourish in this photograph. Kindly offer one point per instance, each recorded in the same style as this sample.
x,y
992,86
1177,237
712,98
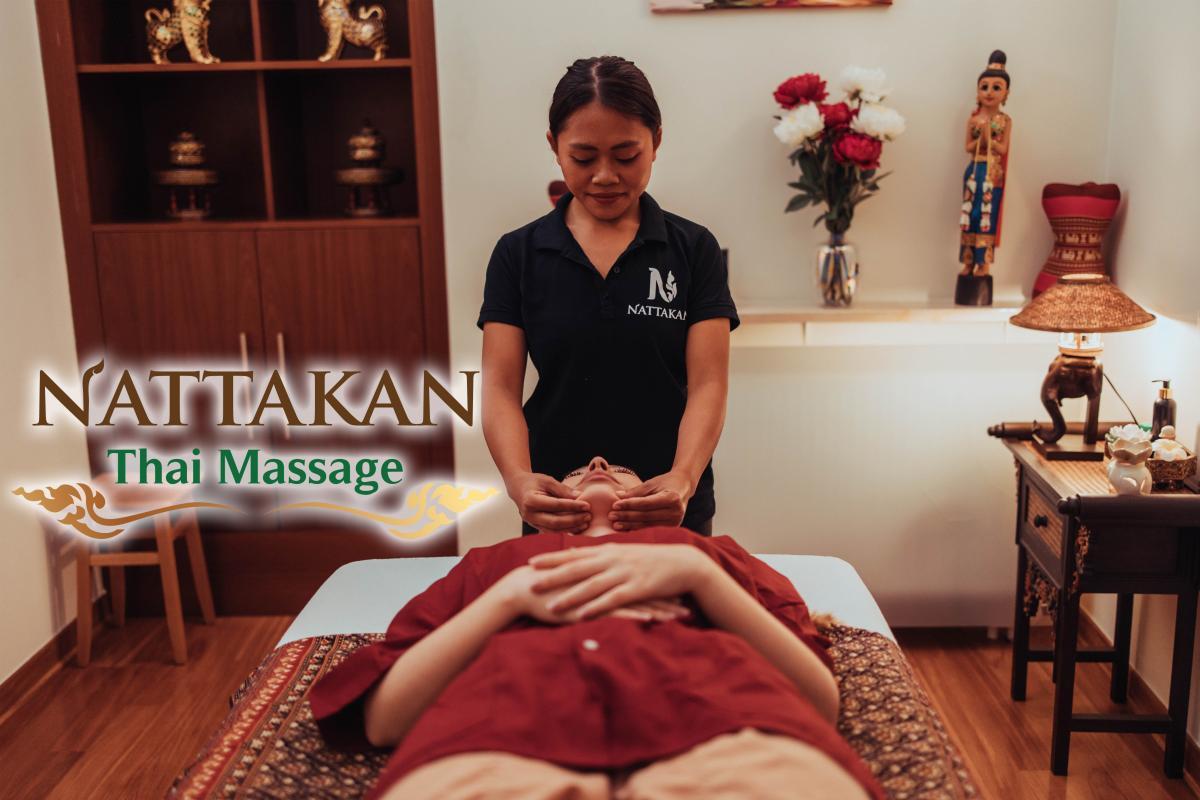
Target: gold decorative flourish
x,y
431,506
78,504
1083,541
1040,593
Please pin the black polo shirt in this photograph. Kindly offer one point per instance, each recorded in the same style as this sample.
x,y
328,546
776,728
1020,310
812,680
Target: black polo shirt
x,y
609,352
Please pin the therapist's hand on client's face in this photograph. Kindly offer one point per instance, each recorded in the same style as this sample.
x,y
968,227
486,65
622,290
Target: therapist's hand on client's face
x,y
548,504
662,500
620,501
600,485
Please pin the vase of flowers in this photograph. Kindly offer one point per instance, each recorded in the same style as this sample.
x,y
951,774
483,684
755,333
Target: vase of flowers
x,y
837,271
837,147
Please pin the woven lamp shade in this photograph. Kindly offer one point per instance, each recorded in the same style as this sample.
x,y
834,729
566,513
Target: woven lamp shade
x,y
1085,303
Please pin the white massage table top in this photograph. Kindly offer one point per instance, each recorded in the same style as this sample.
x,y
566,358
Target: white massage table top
x,y
363,596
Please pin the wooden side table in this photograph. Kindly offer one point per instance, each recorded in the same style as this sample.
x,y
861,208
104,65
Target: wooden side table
x,y
1075,536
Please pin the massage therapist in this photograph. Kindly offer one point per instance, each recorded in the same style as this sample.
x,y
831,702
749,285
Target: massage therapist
x,y
625,311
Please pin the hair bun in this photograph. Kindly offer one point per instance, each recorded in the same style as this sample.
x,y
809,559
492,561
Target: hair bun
x,y
997,57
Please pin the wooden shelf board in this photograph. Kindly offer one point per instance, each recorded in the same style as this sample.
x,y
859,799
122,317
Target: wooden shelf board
x,y
878,312
350,63
255,224
880,324
343,222
245,66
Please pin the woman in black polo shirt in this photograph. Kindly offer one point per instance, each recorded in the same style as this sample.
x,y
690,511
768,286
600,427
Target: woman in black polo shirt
x,y
625,312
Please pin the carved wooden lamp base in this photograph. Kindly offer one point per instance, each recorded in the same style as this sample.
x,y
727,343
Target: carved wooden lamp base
x,y
1071,447
1072,375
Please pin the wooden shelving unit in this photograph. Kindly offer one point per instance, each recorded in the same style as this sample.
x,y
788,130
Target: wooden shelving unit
x,y
274,119
276,224
278,273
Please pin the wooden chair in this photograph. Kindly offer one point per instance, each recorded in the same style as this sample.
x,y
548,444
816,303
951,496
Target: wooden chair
x,y
167,528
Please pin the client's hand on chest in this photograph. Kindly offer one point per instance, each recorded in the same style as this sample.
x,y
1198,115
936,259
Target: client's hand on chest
x,y
559,606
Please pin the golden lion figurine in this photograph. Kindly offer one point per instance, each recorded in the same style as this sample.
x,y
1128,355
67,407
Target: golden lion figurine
x,y
188,24
340,27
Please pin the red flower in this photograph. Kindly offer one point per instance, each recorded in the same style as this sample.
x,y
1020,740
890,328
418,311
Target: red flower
x,y
801,89
837,115
858,149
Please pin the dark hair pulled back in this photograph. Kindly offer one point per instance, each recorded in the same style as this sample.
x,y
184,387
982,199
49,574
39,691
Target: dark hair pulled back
x,y
997,57
616,82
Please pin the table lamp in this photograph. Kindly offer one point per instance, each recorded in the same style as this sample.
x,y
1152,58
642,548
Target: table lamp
x,y
1080,307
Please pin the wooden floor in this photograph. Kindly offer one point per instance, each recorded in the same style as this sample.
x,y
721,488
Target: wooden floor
x,y
126,725
1007,744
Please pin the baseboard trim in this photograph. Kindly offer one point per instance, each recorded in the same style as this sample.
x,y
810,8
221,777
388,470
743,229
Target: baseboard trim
x,y
38,668
1141,693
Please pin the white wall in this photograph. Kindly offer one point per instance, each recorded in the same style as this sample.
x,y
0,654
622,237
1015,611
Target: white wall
x,y
875,454
1154,132
36,581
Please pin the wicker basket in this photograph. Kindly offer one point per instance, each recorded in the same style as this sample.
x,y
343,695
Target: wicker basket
x,y
1172,471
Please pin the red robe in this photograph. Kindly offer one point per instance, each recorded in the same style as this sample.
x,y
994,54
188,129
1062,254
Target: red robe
x,y
606,693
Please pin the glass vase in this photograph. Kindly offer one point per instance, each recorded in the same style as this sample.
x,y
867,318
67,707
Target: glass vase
x,y
837,271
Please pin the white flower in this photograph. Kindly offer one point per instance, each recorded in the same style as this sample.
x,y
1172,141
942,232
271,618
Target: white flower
x,y
800,124
861,83
1169,450
879,121
1130,433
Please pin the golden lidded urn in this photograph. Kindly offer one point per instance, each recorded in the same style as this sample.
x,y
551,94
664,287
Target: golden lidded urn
x,y
367,180
188,181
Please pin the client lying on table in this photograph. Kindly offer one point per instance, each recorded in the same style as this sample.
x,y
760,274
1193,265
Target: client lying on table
x,y
645,664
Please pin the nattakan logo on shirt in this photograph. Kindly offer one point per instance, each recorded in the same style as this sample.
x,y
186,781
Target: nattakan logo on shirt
x,y
668,291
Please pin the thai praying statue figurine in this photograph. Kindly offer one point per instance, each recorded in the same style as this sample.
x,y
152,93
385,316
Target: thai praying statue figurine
x,y
989,132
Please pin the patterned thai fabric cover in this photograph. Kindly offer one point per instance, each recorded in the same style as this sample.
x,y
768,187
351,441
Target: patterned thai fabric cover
x,y
269,747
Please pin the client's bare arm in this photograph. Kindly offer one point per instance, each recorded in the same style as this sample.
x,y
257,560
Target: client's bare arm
x,y
598,579
420,675
730,607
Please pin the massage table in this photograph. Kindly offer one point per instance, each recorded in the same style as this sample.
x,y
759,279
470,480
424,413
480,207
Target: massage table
x,y
363,596
269,746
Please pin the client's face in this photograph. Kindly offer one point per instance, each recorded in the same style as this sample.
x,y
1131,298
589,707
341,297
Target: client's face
x,y
598,484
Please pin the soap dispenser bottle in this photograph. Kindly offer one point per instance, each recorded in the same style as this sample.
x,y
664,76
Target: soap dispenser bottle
x,y
1164,409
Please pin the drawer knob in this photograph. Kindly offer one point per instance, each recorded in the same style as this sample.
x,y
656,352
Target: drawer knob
x,y
1041,521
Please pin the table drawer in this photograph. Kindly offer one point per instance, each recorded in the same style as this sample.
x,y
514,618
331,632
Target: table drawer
x,y
1042,520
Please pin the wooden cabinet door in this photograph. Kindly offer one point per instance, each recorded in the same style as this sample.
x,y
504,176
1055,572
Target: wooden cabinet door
x,y
186,294
337,299
185,300
344,294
